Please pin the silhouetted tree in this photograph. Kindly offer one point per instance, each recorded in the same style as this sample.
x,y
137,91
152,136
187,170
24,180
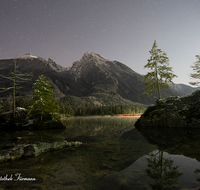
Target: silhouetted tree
x,y
161,74
16,79
196,69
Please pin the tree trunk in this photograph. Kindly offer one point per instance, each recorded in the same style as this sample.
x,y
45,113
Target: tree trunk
x,y
161,168
157,85
14,75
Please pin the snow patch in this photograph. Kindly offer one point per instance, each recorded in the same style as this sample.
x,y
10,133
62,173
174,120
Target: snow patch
x,y
27,56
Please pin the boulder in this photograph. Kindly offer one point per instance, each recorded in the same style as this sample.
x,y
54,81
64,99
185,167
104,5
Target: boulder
x,y
11,153
173,112
7,122
20,123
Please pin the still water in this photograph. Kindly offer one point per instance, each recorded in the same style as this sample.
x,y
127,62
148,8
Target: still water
x,y
114,156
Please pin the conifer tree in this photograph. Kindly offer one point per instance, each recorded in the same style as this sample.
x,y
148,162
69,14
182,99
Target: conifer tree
x,y
161,74
44,107
16,78
196,69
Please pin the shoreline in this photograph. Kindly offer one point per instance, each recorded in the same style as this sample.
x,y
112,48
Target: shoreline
x,y
91,116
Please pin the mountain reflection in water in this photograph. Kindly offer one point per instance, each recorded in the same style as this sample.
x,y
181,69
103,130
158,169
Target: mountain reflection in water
x,y
114,156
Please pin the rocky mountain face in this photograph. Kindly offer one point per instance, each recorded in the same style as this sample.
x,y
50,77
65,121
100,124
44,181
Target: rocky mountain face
x,y
93,76
96,76
28,64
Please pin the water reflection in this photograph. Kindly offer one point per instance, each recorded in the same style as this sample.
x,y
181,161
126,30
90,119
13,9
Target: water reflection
x,y
114,155
175,141
98,126
161,170
109,145
197,171
179,167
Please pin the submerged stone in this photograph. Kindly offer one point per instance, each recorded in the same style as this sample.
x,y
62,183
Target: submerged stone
x,y
34,149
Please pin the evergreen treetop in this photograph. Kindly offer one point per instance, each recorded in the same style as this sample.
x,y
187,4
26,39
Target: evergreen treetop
x,y
44,107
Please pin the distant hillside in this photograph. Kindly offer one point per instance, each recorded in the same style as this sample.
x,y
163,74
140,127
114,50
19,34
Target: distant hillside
x,y
183,89
93,79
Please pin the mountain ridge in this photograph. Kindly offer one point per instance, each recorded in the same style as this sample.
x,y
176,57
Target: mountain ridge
x,y
91,76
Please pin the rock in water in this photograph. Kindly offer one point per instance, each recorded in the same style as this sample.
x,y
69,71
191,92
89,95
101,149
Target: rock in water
x,y
173,112
35,149
6,119
8,124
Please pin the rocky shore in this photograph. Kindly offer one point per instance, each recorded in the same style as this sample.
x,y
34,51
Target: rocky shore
x,y
173,112
21,123
10,151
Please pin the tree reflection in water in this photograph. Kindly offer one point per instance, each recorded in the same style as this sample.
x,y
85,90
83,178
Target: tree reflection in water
x,y
160,169
197,171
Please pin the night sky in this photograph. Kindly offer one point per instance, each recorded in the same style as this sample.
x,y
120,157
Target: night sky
x,y
122,30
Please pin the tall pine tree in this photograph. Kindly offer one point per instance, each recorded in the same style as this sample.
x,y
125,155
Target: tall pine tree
x,y
161,74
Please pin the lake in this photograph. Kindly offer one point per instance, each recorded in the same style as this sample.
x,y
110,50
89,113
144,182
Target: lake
x,y
114,156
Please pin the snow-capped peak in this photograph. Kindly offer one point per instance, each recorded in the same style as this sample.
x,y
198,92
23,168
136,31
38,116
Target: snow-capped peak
x,y
27,56
94,56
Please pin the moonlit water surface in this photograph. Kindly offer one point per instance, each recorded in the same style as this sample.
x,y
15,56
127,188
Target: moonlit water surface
x,y
114,155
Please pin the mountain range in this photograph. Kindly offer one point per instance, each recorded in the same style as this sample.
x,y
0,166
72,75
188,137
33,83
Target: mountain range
x,y
93,80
